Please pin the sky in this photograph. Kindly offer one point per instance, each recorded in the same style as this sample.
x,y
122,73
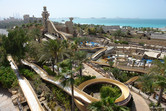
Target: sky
x,y
154,9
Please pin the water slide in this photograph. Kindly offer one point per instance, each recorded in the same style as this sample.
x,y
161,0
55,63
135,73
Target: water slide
x,y
55,30
131,80
100,63
26,88
80,95
122,100
98,54
93,48
82,99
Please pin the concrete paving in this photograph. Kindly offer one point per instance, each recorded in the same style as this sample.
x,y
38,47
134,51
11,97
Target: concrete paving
x,y
140,103
90,71
6,101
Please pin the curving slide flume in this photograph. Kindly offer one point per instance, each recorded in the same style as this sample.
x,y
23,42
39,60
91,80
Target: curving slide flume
x,y
54,29
26,88
80,95
98,54
82,99
131,80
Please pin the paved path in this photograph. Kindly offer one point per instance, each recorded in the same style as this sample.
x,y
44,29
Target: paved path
x,y
140,103
6,101
90,71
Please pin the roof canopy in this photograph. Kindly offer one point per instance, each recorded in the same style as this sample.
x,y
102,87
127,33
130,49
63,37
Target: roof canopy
x,y
155,54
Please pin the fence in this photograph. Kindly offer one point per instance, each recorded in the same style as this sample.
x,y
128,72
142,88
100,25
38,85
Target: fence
x,y
145,96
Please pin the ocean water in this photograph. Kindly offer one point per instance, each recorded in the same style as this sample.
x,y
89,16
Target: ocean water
x,y
155,23
4,32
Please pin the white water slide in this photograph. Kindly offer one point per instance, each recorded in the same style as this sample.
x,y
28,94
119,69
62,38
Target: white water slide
x,y
26,88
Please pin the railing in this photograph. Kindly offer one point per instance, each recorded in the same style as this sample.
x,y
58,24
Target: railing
x,y
145,96
124,102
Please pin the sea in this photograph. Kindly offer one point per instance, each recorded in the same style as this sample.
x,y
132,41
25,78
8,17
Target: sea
x,y
4,32
153,23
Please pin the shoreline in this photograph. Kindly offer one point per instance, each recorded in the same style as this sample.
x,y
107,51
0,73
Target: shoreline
x,y
135,23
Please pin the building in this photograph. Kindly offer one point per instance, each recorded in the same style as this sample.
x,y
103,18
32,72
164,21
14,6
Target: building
x,y
28,19
111,28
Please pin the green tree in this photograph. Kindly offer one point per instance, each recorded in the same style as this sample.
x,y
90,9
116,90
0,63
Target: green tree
x,y
118,33
67,76
8,78
108,96
3,57
36,33
108,91
34,50
80,57
147,84
52,51
106,104
15,43
159,69
27,73
161,83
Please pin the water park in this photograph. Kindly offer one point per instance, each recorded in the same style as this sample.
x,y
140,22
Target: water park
x,y
55,67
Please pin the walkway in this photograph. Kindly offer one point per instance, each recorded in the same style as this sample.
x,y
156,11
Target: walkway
x,y
140,103
26,88
6,101
90,71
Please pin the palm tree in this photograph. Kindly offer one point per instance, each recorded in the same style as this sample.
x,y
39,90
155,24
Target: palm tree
x,y
52,50
159,69
80,57
118,33
108,96
106,104
147,84
37,34
66,76
161,83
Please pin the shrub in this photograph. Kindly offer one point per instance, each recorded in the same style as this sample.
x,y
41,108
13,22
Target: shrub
x,y
106,69
111,63
8,78
121,42
141,43
61,97
27,73
108,91
48,70
52,105
82,79
59,109
124,42
123,77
